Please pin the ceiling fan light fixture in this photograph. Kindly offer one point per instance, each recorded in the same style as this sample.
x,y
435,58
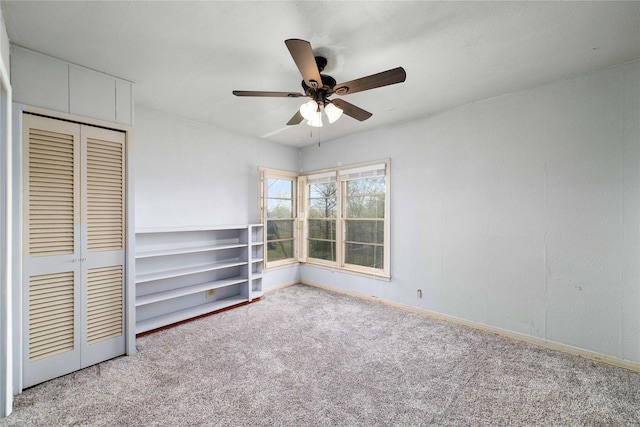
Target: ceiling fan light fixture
x,y
333,113
309,110
316,120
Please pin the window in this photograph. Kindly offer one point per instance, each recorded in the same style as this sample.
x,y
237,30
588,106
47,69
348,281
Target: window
x,y
364,221
347,218
321,223
278,196
341,217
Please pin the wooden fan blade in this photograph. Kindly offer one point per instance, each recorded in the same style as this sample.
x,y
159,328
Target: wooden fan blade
x,y
296,119
305,60
351,110
269,94
385,78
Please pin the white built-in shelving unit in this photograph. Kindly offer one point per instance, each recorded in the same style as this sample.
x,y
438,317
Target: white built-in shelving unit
x,y
190,271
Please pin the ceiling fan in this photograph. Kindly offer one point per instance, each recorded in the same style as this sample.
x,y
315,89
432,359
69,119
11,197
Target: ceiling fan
x,y
319,87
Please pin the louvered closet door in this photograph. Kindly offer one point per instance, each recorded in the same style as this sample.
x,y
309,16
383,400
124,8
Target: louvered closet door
x,y
74,247
51,249
103,240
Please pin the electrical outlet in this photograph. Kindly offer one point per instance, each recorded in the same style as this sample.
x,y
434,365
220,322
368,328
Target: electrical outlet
x,y
211,293
419,293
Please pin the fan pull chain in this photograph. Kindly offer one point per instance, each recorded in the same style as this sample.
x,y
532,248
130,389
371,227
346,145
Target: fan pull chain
x,y
311,134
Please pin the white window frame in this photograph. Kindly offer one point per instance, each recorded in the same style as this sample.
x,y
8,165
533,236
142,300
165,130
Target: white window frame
x,y
300,216
265,174
342,174
304,217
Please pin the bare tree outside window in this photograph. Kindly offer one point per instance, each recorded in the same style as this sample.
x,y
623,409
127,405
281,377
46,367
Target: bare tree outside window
x,y
280,214
364,222
322,221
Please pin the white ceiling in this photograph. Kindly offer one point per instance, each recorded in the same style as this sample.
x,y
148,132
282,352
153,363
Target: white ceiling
x,y
186,57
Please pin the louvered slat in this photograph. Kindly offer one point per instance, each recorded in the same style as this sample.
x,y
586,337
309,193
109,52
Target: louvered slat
x,y
105,192
51,326
51,164
104,303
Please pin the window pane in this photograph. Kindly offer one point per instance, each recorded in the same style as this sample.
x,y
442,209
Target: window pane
x,y
322,200
364,238
281,249
325,190
278,214
322,208
322,250
365,207
277,230
280,188
277,208
365,255
320,229
366,186
365,231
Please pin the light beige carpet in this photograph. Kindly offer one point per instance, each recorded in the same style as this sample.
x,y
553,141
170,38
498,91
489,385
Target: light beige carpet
x,y
307,357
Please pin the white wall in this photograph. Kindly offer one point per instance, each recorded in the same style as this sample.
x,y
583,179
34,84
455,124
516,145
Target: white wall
x,y
189,174
520,212
6,389
4,44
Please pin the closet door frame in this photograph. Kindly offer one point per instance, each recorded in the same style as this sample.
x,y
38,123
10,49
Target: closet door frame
x,y
17,230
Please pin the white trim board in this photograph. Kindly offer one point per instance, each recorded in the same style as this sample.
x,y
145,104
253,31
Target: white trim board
x,y
6,250
551,345
281,286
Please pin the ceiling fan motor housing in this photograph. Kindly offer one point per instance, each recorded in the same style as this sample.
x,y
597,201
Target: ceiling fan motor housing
x,y
321,93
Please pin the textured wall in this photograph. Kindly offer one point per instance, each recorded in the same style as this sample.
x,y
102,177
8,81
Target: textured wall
x,y
4,45
520,212
191,174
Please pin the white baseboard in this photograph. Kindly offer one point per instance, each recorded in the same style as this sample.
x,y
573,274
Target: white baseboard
x,y
552,345
281,286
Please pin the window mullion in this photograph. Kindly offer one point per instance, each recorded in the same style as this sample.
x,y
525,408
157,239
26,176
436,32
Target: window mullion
x,y
340,236
387,222
303,210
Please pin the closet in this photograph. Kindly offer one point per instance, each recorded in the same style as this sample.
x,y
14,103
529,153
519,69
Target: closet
x,y
73,246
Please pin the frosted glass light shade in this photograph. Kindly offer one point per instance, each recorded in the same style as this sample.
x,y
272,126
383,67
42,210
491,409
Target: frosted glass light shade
x,y
309,109
316,120
333,112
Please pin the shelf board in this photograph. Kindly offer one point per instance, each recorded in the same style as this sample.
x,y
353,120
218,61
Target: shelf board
x,y
187,290
254,260
188,250
184,271
178,316
190,228
256,294
255,276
